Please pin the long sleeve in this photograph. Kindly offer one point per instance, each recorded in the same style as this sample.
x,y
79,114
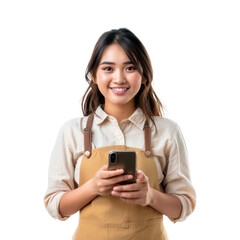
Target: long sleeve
x,y
168,147
61,171
177,179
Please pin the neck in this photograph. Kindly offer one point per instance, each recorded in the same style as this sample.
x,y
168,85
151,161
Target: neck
x,y
120,112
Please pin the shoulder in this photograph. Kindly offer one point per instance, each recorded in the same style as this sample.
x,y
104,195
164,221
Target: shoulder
x,y
165,125
168,130
73,126
71,123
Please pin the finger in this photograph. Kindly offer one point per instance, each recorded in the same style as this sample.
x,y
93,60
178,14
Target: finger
x,y
115,180
141,177
128,187
106,190
129,195
104,168
109,174
139,171
118,179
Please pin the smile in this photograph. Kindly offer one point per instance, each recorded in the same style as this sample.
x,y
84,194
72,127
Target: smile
x,y
119,90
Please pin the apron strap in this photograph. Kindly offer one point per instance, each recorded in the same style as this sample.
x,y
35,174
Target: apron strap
x,y
88,138
147,139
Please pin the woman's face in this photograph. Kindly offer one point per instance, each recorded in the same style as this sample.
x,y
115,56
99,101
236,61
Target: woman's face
x,y
117,78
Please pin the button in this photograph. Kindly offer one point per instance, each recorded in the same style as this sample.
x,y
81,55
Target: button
x,y
87,153
147,153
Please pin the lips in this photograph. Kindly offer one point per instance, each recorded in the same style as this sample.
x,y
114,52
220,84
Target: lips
x,y
119,90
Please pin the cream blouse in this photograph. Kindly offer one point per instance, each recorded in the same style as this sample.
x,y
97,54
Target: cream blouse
x,y
168,149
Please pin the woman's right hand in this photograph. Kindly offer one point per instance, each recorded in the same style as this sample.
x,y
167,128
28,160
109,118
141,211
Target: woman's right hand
x,y
104,180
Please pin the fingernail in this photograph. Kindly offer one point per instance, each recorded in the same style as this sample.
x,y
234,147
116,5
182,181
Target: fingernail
x,y
130,176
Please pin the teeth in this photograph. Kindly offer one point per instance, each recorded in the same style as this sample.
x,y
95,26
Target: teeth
x,y
120,89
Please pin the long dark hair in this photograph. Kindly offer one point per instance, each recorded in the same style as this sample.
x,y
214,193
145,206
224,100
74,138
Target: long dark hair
x,y
146,98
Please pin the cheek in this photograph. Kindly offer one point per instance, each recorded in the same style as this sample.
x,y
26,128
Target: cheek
x,y
102,78
136,80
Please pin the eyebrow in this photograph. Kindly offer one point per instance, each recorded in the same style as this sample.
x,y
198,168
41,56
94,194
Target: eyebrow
x,y
112,63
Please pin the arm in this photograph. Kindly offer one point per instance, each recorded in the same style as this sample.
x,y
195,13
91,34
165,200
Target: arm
x,y
166,204
142,194
62,199
101,184
74,200
179,199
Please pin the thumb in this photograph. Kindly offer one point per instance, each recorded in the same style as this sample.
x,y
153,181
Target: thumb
x,y
141,176
104,168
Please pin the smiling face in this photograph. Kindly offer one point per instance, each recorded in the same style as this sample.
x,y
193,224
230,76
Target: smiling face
x,y
117,78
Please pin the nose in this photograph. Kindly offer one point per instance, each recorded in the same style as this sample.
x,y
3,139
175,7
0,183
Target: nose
x,y
119,77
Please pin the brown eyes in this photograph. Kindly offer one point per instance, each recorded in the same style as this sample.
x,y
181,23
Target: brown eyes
x,y
131,68
108,69
128,69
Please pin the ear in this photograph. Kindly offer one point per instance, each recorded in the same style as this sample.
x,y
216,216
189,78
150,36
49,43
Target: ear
x,y
144,80
93,79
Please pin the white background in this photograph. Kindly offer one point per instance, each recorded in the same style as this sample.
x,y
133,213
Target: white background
x,y
44,50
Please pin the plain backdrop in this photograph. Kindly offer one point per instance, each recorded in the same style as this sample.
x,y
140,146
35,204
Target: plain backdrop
x,y
44,50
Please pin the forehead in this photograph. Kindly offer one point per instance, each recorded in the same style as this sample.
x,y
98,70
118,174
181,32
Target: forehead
x,y
114,53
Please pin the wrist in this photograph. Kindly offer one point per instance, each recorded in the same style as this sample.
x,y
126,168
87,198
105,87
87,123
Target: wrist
x,y
92,187
150,197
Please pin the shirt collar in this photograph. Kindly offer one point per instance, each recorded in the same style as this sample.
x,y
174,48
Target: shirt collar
x,y
138,118
100,115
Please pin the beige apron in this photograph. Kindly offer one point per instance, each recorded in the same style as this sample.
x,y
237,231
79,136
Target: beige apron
x,y
108,217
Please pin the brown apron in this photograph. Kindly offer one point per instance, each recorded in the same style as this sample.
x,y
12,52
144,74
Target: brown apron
x,y
108,217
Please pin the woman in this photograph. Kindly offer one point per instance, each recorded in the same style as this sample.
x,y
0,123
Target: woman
x,y
121,112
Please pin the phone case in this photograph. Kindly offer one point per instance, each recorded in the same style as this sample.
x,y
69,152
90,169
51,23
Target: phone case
x,y
123,160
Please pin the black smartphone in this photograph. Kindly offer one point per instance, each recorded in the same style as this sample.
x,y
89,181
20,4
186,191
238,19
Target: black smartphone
x,y
125,160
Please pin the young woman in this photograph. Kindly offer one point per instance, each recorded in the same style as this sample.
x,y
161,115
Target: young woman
x,y
121,112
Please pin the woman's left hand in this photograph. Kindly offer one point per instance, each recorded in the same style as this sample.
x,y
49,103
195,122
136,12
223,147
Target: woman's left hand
x,y
138,193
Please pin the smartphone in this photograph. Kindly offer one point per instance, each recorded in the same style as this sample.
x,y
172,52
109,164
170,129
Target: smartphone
x,y
125,160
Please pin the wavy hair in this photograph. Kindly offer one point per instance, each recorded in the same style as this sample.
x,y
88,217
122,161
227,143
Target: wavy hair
x,y
146,98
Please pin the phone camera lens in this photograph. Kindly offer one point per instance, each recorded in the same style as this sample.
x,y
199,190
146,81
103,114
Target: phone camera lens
x,y
113,158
